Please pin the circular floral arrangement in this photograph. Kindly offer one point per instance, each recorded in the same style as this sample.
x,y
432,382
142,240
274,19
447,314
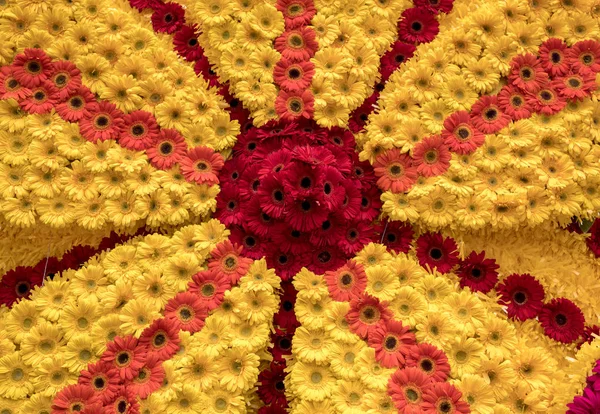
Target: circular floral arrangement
x,y
299,206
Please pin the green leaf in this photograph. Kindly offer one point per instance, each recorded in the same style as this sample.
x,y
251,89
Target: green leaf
x,y
585,225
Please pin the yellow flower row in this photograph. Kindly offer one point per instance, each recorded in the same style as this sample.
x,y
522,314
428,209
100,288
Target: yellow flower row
x,y
67,322
217,368
496,363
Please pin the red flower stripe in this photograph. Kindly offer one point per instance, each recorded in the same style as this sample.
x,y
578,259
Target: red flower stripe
x,y
18,283
589,400
541,84
34,81
132,367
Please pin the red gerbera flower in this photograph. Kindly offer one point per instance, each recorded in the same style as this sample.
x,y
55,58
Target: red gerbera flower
x,y
168,17
227,260
460,135
417,25
186,311
575,84
436,5
407,387
487,116
478,273
286,264
103,378
293,76
101,121
584,54
523,295
124,402
429,359
285,318
347,282
186,43
367,314
282,343
397,236
210,286
357,235
10,86
325,258
144,4
32,67
272,389
41,99
229,206
546,101
370,204
527,74
514,103
74,398
73,109
202,165
391,342
431,156
553,57
443,397
436,252
296,12
65,77
562,320
305,214
395,57
150,377
16,284
139,130
167,149
161,339
291,106
395,170
297,44
359,117
126,354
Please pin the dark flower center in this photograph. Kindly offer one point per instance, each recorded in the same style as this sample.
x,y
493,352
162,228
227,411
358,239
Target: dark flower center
x,y
123,358
546,95
560,319
574,83
516,101
22,288
294,73
185,314
464,133
39,96
99,383
34,67
426,365
346,279
476,273
60,79
520,298
526,73
435,253
295,105
12,83
166,148
159,339
122,406
102,121
168,18
76,102
138,130
556,57
587,59
324,257
416,26
391,343
491,114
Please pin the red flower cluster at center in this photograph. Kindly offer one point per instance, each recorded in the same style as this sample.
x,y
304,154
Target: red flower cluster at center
x,y
298,195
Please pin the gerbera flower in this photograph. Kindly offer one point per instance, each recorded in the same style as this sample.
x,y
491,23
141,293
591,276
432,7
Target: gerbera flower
x,y
167,149
160,339
429,359
41,99
305,214
229,206
431,156
347,282
202,165
101,121
150,377
553,57
588,403
297,44
417,25
139,130
17,284
523,295
562,320
227,259
167,17
238,370
487,116
514,103
32,67
74,107
460,135
393,58
478,273
367,314
527,74
547,100
436,6
291,106
444,398
407,387
397,236
124,402
186,43
436,252
74,398
285,318
395,170
144,4
10,86
102,378
391,342
272,387
210,286
293,76
186,311
126,354
583,54
296,12
575,84
65,77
